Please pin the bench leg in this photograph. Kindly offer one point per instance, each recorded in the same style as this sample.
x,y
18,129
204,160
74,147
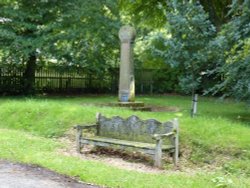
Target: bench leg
x,y
78,141
158,154
175,142
176,151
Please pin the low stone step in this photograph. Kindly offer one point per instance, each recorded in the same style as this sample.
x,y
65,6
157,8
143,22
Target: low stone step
x,y
128,104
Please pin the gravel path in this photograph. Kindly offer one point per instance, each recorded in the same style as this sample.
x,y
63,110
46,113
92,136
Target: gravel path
x,y
13,175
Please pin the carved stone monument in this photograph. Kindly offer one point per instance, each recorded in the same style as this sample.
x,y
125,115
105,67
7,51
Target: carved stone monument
x,y
127,81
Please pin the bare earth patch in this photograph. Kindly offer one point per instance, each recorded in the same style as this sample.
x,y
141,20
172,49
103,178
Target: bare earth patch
x,y
133,161
153,108
102,156
164,109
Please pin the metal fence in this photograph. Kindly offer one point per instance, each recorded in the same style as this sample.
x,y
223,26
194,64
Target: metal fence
x,y
74,80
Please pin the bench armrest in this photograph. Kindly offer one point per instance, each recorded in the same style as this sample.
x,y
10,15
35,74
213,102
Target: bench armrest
x,y
79,131
81,127
161,136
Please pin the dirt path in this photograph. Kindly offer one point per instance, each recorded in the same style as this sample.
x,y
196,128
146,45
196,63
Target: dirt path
x,y
14,175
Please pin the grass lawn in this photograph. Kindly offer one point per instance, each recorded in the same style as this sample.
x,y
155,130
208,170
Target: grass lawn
x,y
219,137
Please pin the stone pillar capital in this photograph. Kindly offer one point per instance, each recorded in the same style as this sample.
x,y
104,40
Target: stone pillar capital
x,y
127,34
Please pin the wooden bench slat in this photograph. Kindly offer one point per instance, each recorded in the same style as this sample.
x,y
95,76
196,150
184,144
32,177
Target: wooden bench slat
x,y
125,143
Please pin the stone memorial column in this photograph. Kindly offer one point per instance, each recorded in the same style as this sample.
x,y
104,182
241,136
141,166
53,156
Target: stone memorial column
x,y
127,81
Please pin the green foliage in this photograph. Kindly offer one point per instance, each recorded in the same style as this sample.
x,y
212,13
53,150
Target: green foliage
x,y
166,80
149,14
79,33
209,59
222,182
217,10
208,41
186,46
237,71
70,32
233,60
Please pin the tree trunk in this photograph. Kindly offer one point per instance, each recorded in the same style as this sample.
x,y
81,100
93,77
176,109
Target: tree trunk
x,y
29,76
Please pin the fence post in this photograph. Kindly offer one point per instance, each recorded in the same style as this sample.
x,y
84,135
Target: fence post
x,y
151,88
60,82
194,105
142,89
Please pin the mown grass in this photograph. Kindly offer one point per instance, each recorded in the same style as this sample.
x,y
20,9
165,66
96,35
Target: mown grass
x,y
23,147
220,131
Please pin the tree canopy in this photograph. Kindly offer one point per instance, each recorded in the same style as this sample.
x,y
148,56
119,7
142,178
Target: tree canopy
x,y
211,38
66,32
207,41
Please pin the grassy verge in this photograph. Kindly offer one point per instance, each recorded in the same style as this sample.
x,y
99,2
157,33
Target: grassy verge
x,y
218,135
23,147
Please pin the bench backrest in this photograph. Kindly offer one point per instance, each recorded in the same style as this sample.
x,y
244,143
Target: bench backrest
x,y
132,128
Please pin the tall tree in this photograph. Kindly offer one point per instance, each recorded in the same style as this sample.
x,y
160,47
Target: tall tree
x,y
70,32
234,60
224,59
218,11
144,14
186,45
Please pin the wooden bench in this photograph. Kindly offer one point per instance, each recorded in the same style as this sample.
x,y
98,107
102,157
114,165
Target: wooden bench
x,y
146,136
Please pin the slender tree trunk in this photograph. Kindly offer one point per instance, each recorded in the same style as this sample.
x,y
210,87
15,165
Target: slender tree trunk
x,y
29,76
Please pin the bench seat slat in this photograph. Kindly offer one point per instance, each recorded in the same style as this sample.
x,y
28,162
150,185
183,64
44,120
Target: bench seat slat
x,y
125,143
